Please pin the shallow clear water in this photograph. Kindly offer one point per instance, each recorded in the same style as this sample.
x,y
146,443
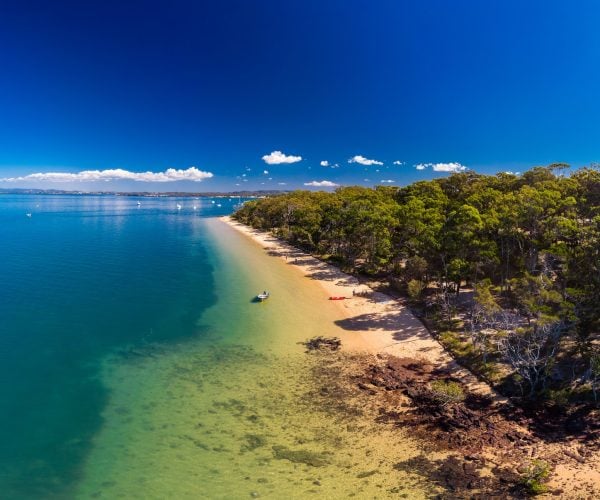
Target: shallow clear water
x,y
80,278
133,363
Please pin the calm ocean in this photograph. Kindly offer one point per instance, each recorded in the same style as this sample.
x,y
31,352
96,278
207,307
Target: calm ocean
x,y
135,364
82,277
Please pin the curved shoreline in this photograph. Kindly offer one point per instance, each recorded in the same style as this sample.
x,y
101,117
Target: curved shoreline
x,y
381,325
375,323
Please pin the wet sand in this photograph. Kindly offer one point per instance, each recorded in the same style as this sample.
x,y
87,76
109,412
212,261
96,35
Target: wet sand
x,y
378,324
375,323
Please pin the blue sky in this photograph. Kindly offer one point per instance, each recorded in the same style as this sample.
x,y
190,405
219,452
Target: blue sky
x,y
150,86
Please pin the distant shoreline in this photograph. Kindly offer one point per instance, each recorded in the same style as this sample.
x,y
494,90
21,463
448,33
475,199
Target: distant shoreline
x,y
145,194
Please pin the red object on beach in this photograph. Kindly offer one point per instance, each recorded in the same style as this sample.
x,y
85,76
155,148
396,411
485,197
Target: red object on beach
x,y
337,298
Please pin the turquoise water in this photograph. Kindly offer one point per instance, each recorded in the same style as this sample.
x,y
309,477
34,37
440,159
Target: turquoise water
x,y
81,278
134,364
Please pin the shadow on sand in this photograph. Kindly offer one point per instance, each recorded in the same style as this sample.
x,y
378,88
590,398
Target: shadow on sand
x,y
401,323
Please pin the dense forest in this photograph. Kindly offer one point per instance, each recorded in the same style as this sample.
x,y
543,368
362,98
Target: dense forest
x,y
505,268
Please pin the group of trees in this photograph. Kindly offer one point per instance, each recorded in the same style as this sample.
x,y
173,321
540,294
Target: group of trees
x,y
529,245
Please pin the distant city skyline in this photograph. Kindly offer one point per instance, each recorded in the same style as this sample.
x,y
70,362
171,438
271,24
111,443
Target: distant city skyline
x,y
235,95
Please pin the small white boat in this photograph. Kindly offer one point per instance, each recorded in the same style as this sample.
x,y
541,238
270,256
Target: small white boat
x,y
178,206
195,207
263,296
139,204
28,214
218,204
212,201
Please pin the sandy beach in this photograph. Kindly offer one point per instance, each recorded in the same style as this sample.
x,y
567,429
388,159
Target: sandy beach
x,y
376,323
370,321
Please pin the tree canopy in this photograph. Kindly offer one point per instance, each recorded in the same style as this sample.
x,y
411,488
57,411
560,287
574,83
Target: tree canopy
x,y
535,238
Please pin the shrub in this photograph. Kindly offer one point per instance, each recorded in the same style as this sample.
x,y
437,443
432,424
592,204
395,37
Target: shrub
x,y
415,289
559,397
447,391
535,476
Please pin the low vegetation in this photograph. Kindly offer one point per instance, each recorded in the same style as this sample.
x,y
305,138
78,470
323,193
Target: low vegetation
x,y
535,476
447,391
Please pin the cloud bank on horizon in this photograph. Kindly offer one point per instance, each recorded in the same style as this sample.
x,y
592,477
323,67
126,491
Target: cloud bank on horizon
x,y
195,175
116,174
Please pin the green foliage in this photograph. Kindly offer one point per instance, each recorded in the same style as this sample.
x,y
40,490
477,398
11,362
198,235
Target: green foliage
x,y
485,299
447,391
559,397
534,477
535,238
452,341
415,289
468,354
415,268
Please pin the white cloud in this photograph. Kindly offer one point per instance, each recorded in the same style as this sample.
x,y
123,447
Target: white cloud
x,y
277,157
324,163
388,181
116,174
364,161
442,167
321,184
398,162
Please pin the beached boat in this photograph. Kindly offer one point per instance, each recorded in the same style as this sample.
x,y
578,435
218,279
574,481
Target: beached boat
x,y
263,296
337,298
